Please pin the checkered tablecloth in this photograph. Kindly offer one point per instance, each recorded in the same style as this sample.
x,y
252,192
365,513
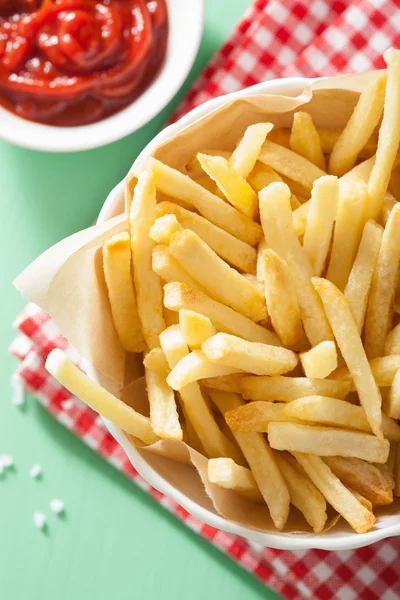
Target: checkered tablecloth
x,y
275,38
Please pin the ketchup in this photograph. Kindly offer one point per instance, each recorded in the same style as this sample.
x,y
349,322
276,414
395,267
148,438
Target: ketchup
x,y
74,62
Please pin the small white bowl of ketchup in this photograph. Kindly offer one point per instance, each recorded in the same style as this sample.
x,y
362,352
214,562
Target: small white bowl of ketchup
x,y
79,74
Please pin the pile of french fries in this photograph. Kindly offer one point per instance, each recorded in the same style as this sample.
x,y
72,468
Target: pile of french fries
x,y
262,287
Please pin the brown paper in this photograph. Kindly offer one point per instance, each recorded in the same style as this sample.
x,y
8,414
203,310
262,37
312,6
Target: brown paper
x,y
67,282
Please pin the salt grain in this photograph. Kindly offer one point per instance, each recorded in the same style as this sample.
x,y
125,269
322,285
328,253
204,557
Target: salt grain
x,y
6,461
35,471
39,519
57,506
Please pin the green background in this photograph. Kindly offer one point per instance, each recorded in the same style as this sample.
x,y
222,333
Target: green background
x,y
114,540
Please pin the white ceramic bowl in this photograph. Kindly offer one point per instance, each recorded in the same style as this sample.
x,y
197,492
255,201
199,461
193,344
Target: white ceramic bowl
x,y
153,468
186,21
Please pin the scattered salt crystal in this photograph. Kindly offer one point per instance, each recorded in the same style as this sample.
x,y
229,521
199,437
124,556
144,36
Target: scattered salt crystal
x,y
39,519
35,471
6,460
18,397
67,404
57,506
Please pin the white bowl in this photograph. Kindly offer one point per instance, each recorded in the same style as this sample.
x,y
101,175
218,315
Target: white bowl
x,y
152,468
186,21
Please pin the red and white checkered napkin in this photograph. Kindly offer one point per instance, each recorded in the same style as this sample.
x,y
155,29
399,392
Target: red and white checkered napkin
x,y
275,38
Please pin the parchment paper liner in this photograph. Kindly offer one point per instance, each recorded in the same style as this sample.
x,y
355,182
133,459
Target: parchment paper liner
x,y
67,282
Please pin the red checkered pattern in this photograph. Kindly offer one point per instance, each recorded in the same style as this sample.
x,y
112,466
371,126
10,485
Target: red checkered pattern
x,y
275,38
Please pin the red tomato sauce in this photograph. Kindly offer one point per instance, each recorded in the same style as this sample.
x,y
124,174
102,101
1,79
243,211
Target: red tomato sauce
x,y
74,62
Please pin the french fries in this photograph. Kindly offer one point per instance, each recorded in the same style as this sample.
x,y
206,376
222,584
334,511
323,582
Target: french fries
x,y
261,461
216,276
195,328
305,140
286,389
336,493
234,251
234,352
117,273
164,417
225,383
90,392
358,284
256,416
147,283
394,397
156,361
299,219
246,153
168,268
389,136
281,298
359,128
327,441
320,361
276,219
214,442
290,164
383,369
379,315
338,413
320,220
164,228
349,224
363,477
392,343
349,342
262,175
225,473
303,493
234,187
180,186
195,366
180,295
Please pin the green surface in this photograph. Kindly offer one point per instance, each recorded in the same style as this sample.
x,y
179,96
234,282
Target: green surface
x,y
114,541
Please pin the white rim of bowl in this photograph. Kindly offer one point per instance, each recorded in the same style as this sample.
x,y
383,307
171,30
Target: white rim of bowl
x,y
283,541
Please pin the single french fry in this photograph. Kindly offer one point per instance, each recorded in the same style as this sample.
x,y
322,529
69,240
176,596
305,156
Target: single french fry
x,y
195,328
262,175
155,360
358,284
261,461
388,203
387,469
320,361
253,357
180,186
383,369
221,281
163,229
147,283
90,392
349,224
363,477
225,473
362,500
234,187
234,251
327,441
281,298
299,219
164,417
168,268
286,389
276,219
214,442
305,141
260,269
180,295
246,153
392,343
227,383
379,315
394,397
359,128
389,136
338,413
320,220
256,416
290,164
193,167
195,366
303,493
336,493
350,345
117,273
